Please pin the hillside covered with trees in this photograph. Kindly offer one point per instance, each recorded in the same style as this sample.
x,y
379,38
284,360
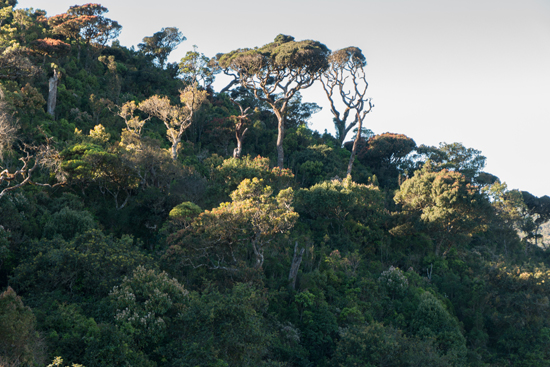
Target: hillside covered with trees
x,y
147,219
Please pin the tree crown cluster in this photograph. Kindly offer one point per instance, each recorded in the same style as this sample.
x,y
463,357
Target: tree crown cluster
x,y
149,220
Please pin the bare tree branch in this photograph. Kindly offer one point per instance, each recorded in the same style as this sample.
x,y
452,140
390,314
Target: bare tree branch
x,y
44,156
345,82
176,118
240,130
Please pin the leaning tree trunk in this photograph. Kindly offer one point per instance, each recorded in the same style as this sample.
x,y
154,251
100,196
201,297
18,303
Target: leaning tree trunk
x,y
52,93
296,261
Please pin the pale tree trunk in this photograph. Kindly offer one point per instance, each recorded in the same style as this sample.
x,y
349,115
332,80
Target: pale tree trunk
x,y
280,137
237,152
175,138
175,148
52,93
296,261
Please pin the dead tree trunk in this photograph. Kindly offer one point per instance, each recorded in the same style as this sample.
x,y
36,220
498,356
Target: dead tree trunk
x,y
296,261
52,94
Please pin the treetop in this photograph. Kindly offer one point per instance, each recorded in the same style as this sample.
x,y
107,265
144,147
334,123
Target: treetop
x,y
282,53
283,38
352,53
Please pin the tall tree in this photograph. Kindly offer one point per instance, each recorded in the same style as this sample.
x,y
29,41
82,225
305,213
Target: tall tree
x,y
197,68
175,118
345,79
276,72
162,43
342,213
86,22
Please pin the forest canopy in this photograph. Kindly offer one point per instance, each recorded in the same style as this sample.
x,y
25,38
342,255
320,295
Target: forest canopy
x,y
147,219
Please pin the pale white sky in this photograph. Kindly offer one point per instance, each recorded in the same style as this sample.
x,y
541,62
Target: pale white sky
x,y
472,71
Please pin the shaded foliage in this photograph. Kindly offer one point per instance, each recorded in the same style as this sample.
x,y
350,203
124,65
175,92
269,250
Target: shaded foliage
x,y
149,220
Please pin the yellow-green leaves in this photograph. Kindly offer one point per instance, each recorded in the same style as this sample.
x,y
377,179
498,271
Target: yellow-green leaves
x,y
176,118
446,203
221,238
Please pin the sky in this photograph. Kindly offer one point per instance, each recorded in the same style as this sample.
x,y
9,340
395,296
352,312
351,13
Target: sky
x,y
472,71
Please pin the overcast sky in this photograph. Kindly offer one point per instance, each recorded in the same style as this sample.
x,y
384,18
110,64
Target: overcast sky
x,y
470,71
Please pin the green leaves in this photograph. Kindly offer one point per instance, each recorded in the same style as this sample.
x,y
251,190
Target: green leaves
x,y
433,321
20,344
147,304
454,157
385,154
282,54
227,174
88,265
67,223
222,329
162,43
348,213
184,210
197,68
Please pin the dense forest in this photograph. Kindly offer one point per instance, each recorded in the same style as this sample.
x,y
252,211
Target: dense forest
x,y
149,220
